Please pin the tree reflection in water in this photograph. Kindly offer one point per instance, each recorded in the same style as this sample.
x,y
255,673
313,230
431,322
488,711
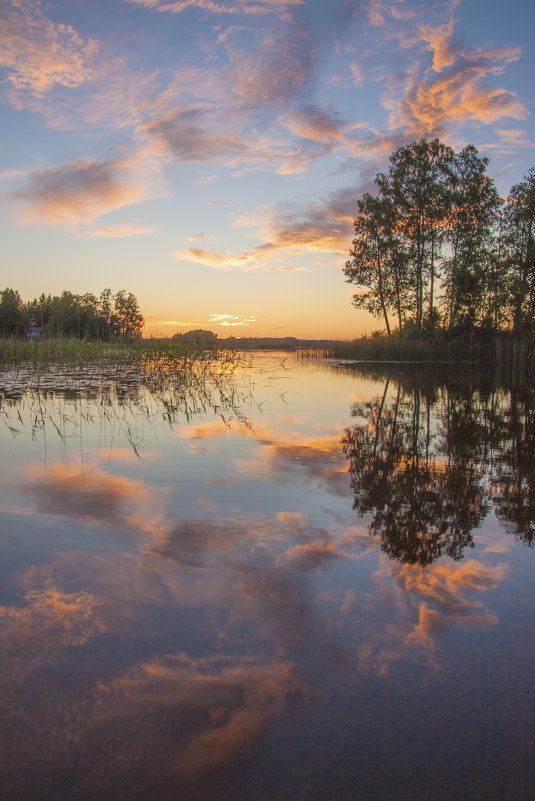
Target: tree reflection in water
x,y
432,457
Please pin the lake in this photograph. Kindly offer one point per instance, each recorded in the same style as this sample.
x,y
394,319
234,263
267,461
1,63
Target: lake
x,y
288,582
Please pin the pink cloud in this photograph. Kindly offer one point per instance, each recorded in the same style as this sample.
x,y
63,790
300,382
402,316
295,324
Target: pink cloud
x,y
457,96
40,54
85,189
254,7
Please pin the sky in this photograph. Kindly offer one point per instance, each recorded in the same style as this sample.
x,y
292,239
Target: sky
x,y
207,155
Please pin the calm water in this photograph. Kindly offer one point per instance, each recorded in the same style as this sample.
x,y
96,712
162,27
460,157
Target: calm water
x,y
297,583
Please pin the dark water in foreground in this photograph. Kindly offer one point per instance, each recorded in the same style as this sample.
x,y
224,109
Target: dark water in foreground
x,y
299,583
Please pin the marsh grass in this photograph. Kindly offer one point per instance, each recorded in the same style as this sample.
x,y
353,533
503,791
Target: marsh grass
x,y
70,351
441,346
124,385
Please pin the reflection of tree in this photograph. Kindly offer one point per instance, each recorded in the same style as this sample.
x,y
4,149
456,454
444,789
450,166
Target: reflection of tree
x,y
514,481
429,462
423,506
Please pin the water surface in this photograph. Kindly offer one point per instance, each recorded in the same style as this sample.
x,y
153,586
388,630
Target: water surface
x,y
297,582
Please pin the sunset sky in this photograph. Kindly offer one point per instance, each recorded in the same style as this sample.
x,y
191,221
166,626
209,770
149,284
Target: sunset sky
x,y
207,155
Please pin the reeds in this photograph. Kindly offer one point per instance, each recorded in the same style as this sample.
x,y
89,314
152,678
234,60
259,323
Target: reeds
x,y
70,351
440,346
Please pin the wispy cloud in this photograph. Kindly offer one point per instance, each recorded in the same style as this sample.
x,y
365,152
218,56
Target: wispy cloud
x,y
39,54
457,87
85,189
321,227
232,320
438,39
124,230
254,7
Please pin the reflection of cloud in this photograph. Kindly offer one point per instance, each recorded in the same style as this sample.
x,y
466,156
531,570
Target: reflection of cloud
x,y
224,704
445,586
87,495
90,495
215,429
281,452
317,458
312,555
33,635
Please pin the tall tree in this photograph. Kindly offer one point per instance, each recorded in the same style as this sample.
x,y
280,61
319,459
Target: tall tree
x,y
376,263
473,215
128,318
418,186
13,317
518,233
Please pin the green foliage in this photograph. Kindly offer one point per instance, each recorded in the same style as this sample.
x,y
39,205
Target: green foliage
x,y
199,336
109,317
73,351
13,316
435,249
518,250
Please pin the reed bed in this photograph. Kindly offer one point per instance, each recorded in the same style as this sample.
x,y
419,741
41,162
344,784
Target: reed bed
x,y
440,347
71,351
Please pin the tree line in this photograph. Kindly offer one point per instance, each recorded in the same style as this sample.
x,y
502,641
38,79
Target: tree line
x,y
108,316
437,248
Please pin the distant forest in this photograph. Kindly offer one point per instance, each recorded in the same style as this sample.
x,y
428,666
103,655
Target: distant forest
x,y
438,249
107,317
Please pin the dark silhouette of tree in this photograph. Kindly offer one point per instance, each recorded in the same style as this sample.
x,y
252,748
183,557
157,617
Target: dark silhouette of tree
x,y
514,479
127,320
417,184
82,316
377,264
437,248
473,209
14,318
421,481
518,232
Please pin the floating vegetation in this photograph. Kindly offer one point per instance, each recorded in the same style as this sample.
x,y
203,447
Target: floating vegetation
x,y
155,385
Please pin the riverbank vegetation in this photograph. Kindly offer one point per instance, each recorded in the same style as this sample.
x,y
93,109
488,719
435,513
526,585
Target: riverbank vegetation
x,y
108,317
440,258
72,351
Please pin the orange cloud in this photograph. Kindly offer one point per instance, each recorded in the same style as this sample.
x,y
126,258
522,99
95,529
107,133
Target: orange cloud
x,y
83,190
124,230
460,95
320,125
438,40
40,54
322,227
